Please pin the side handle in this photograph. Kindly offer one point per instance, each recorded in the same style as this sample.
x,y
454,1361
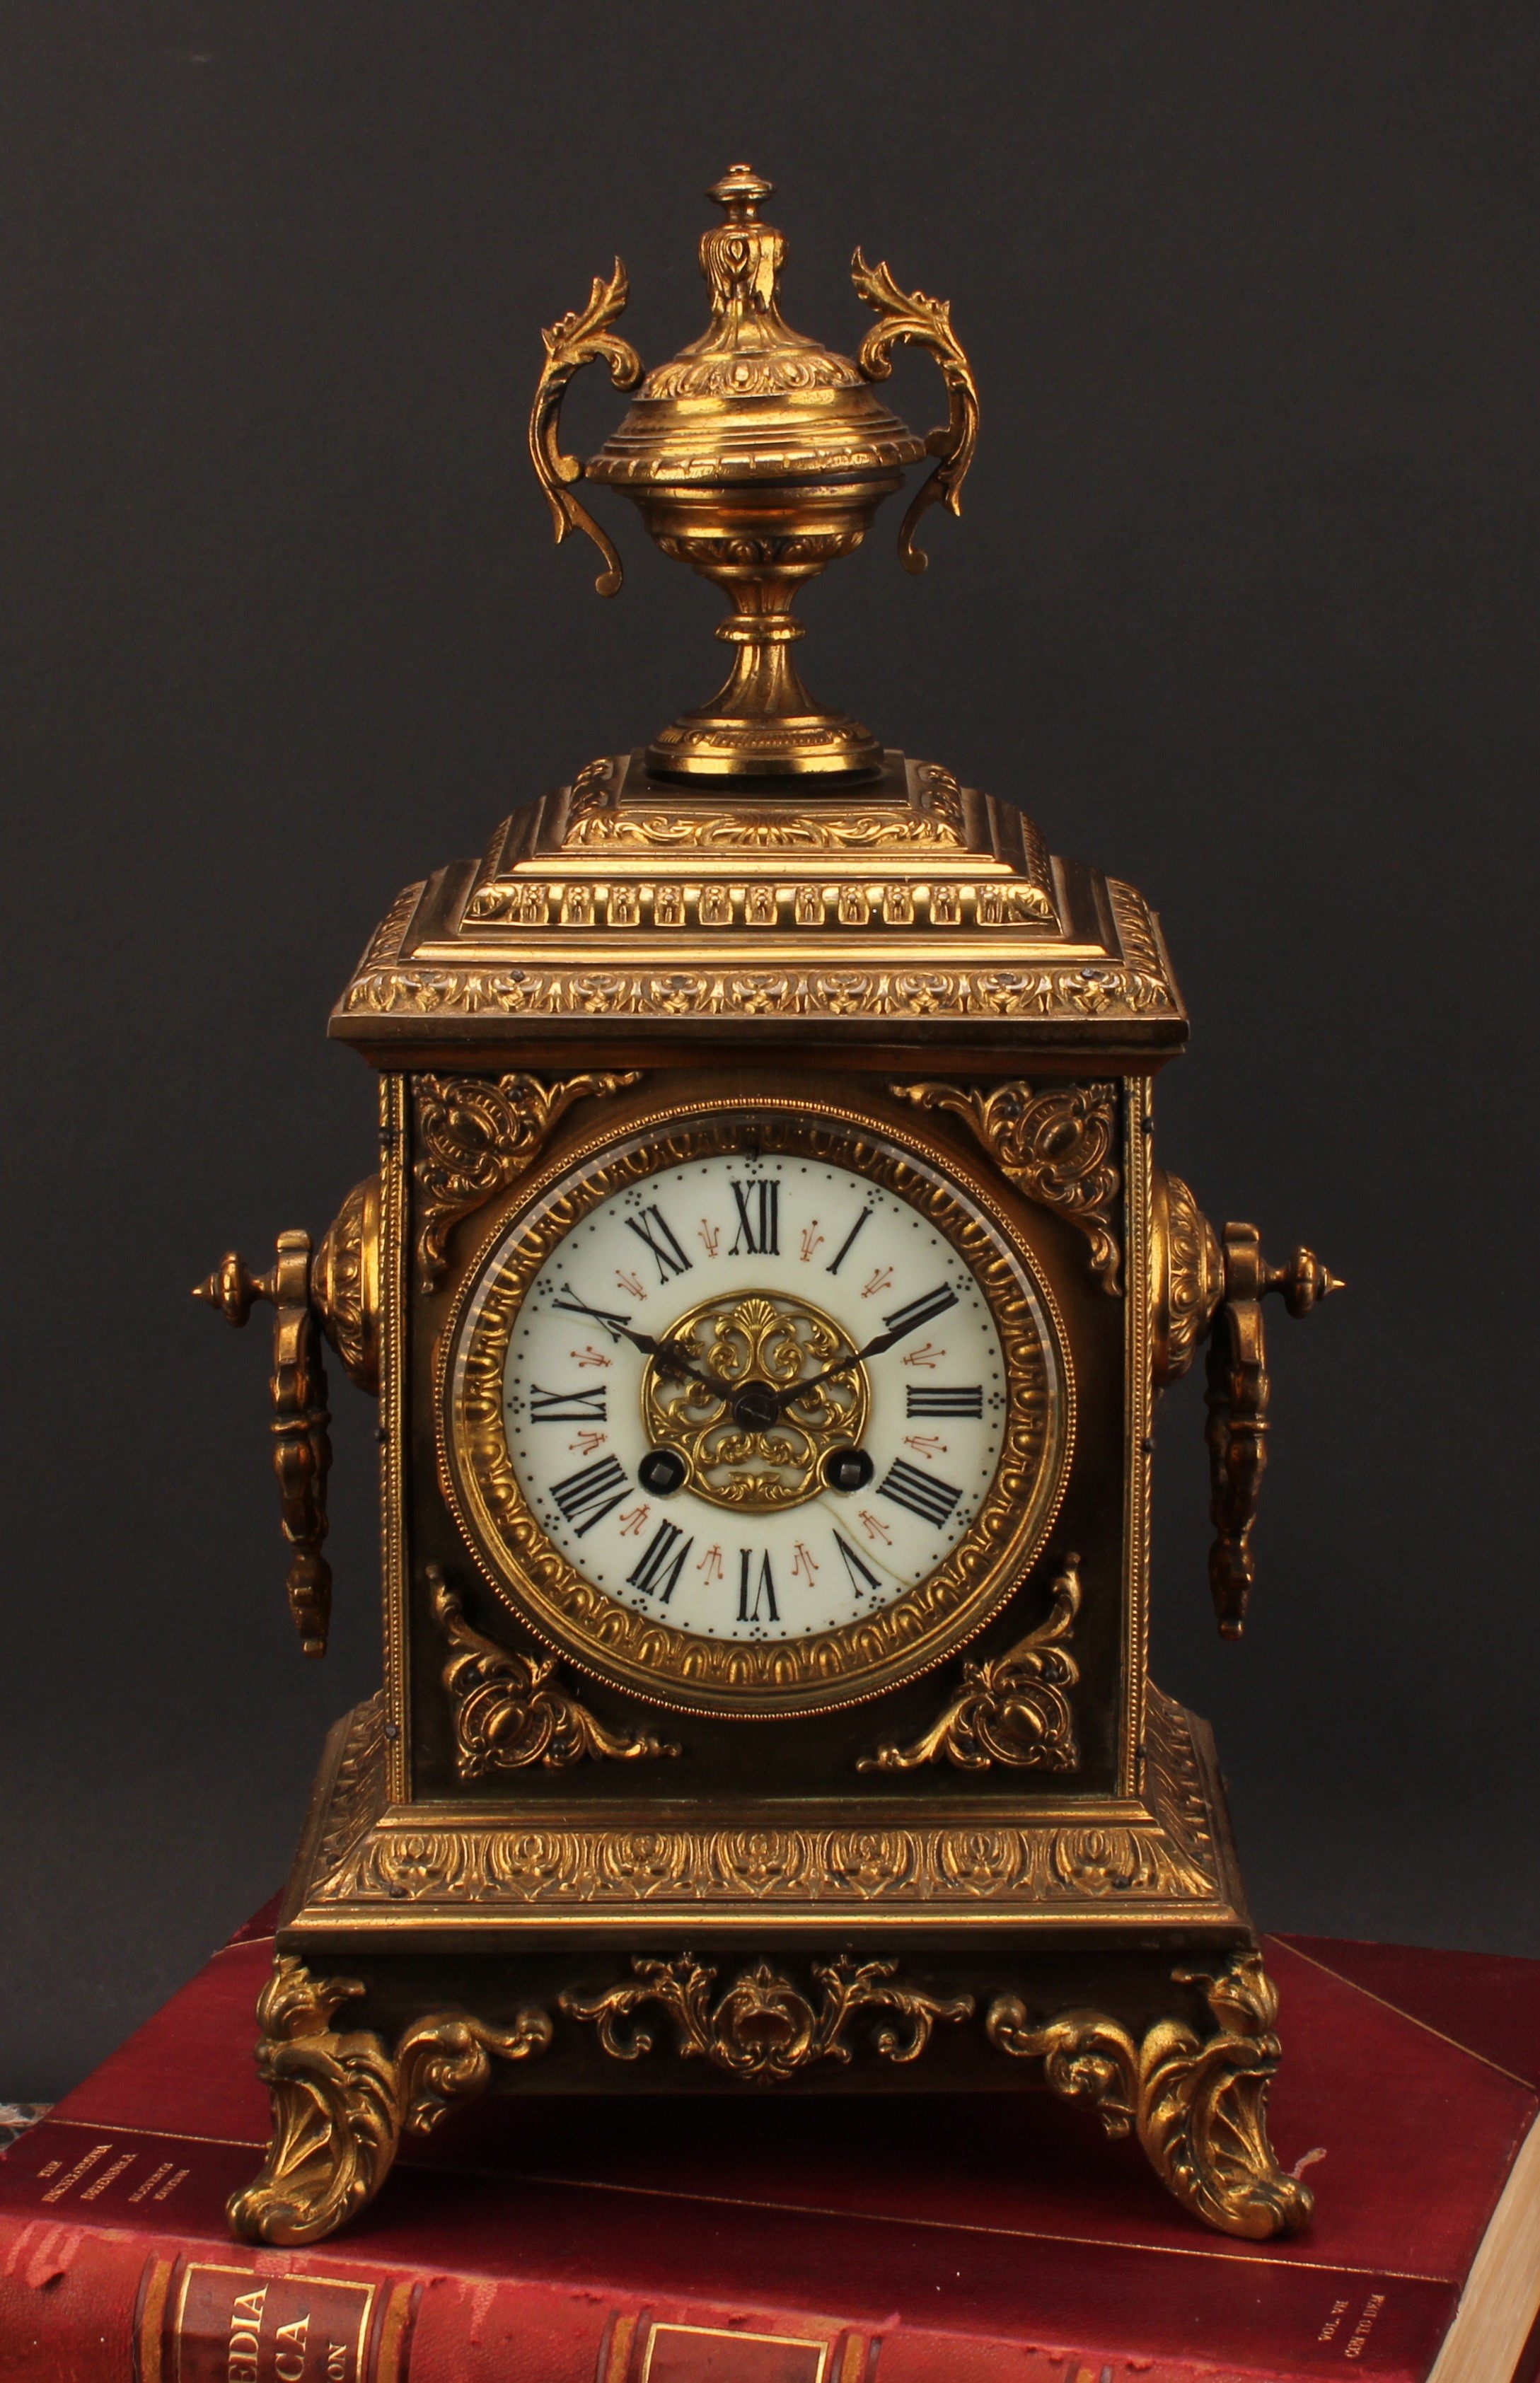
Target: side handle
x,y
926,322
582,338
1238,1399
302,1439
1208,1286
332,1293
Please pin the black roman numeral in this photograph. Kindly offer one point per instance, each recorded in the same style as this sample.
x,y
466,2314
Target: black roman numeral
x,y
567,1406
945,1403
593,1492
932,1501
847,1244
764,1589
671,1258
921,1311
855,1564
759,1219
658,1562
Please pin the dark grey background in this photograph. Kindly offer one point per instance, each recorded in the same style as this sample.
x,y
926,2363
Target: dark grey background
x,y
1243,607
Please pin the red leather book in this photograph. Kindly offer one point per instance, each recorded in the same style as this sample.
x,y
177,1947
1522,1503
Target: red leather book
x,y
990,2239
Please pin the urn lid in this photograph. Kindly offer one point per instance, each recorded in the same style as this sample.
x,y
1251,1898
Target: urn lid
x,y
751,398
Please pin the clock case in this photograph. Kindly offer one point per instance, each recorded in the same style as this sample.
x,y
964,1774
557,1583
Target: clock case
x,y
1010,1867
504,1880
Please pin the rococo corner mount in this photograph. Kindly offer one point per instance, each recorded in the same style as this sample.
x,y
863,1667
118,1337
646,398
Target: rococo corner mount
x,y
765,1422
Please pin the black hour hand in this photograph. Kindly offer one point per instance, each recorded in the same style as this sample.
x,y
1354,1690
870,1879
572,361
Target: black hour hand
x,y
616,1326
671,1356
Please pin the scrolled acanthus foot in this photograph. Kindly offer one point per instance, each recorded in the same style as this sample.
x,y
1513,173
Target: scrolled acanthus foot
x,y
341,2102
1199,2107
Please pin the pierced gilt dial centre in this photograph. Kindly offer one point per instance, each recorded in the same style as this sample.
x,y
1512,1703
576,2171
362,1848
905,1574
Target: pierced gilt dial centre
x,y
754,1392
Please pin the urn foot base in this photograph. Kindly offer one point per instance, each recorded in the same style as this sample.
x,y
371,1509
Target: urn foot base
x,y
715,747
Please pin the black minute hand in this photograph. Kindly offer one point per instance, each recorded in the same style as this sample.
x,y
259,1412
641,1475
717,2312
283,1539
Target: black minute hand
x,y
900,1323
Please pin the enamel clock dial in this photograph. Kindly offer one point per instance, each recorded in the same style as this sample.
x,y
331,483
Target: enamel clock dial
x,y
757,1415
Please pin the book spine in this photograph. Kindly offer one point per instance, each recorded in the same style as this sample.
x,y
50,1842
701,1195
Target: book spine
x,y
83,2304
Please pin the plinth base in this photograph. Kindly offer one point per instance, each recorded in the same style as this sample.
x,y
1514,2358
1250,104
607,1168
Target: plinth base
x,y
1192,2088
424,1956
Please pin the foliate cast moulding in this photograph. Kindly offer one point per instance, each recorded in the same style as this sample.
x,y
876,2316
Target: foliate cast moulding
x,y
478,1134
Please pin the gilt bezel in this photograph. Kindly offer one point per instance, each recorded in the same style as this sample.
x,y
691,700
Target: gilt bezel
x,y
860,1659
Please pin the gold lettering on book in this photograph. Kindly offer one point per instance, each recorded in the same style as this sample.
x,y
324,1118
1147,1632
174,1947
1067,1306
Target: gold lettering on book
x,y
225,2322
108,2176
289,2361
245,2343
1364,2326
81,2168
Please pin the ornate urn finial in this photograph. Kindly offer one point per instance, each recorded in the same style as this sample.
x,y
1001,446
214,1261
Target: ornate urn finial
x,y
738,194
742,258
758,457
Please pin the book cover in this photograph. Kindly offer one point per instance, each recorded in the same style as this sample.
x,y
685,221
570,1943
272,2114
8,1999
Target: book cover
x,y
986,2238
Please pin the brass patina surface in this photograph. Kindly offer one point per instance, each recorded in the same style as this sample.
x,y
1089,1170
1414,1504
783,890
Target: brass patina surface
x,y
758,457
741,1677
765,1341
965,1842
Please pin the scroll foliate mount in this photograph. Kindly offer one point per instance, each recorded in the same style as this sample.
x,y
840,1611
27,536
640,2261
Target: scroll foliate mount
x,y
513,1712
1013,1710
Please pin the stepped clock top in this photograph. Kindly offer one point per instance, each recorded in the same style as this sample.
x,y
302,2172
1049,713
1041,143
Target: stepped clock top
x,y
764,862
758,457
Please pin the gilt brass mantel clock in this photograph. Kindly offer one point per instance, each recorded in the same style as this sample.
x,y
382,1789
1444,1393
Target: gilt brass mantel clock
x,y
766,1281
